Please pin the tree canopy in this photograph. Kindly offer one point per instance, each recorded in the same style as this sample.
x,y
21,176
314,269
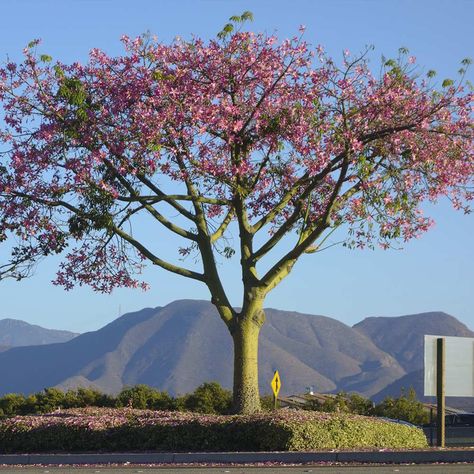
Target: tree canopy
x,y
272,135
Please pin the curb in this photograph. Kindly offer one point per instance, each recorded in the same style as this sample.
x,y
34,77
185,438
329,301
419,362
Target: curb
x,y
383,457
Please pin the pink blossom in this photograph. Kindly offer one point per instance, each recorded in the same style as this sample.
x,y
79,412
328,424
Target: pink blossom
x,y
249,120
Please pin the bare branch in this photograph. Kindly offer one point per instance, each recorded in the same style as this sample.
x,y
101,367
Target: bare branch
x,y
175,197
157,215
275,274
224,224
156,260
306,179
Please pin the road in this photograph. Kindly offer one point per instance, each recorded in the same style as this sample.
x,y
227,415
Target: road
x,y
379,469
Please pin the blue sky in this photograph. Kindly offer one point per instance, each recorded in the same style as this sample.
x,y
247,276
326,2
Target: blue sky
x,y
432,273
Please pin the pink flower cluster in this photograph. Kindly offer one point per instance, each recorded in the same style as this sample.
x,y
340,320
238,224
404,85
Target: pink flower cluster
x,y
85,146
92,418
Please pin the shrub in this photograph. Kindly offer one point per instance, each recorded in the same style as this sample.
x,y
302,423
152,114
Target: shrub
x,y
332,404
48,400
11,404
87,397
267,402
143,397
342,403
406,407
209,397
109,429
361,405
345,431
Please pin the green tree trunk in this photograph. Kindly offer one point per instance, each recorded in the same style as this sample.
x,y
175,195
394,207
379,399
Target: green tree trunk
x,y
245,335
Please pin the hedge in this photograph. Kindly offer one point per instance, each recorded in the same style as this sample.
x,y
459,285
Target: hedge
x,y
125,429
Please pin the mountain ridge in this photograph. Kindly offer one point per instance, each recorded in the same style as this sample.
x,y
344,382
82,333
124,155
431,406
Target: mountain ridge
x,y
183,344
17,333
402,336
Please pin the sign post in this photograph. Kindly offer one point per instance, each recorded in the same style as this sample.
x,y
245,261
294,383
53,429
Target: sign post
x,y
276,385
449,372
441,391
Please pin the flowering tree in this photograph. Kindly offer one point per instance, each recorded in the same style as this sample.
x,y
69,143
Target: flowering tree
x,y
272,139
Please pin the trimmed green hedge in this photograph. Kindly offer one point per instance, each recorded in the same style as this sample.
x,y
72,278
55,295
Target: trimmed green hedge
x,y
108,429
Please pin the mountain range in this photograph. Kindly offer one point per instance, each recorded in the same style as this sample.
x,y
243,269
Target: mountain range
x,y
402,337
181,345
15,333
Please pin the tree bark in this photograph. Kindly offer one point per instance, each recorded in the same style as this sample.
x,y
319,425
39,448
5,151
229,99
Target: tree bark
x,y
245,334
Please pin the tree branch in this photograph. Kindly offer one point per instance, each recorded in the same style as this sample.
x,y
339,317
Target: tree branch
x,y
182,210
291,193
139,246
176,197
212,278
291,220
283,267
224,224
156,260
157,215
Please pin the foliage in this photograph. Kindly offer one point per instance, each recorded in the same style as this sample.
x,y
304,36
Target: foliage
x,y
48,400
129,429
406,407
86,397
342,403
283,143
52,399
360,405
273,136
209,397
143,396
11,404
267,402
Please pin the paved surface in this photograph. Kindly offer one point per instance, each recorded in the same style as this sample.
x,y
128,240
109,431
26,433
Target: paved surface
x,y
418,469
369,457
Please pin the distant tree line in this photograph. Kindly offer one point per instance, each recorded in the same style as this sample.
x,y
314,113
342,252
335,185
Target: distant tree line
x,y
406,407
209,397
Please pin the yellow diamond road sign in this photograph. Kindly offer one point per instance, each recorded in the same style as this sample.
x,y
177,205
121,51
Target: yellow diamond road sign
x,y
276,383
